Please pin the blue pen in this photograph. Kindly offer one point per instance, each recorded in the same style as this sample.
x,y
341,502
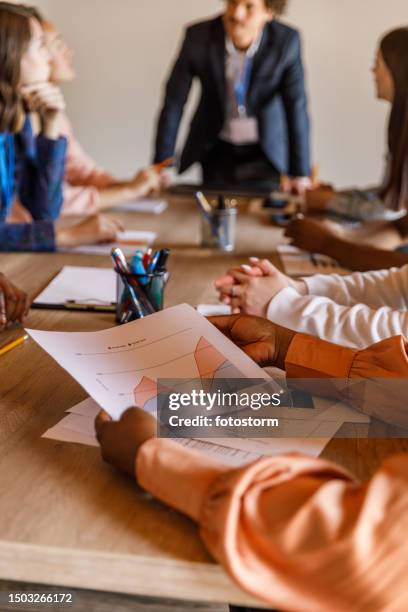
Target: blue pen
x,y
154,262
138,268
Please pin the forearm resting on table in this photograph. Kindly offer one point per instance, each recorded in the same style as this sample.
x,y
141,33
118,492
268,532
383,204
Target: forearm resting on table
x,y
363,257
118,193
380,234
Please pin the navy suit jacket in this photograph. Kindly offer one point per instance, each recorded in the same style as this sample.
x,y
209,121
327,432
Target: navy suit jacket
x,y
276,97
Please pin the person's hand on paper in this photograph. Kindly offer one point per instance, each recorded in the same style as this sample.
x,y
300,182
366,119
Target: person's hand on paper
x,y
97,229
263,341
250,288
14,303
121,440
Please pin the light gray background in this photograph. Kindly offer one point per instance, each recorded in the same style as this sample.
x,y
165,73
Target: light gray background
x,y
124,49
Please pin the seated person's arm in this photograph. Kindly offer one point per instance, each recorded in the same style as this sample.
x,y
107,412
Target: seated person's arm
x,y
334,310
41,177
36,236
315,237
360,205
271,523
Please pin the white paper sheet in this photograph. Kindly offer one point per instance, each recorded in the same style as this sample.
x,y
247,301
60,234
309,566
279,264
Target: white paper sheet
x,y
147,206
119,367
128,241
78,428
300,263
213,310
81,284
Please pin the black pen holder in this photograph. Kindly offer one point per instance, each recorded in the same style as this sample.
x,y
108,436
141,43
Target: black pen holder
x,y
148,290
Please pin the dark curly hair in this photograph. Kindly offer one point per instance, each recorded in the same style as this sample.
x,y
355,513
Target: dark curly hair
x,y
394,49
277,6
15,35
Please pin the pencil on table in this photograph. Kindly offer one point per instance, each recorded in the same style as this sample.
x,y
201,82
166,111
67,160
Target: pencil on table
x,y
9,347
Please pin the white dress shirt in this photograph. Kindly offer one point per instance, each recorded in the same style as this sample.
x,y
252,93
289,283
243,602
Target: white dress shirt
x,y
238,128
354,311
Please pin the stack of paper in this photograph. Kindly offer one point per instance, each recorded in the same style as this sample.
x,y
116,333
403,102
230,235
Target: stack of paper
x,y
120,367
300,263
78,428
148,206
128,241
81,285
213,310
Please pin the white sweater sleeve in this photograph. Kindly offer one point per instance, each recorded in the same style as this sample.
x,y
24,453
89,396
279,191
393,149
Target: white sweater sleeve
x,y
375,289
355,326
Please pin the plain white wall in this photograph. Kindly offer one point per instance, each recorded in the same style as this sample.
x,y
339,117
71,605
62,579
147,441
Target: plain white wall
x,y
124,49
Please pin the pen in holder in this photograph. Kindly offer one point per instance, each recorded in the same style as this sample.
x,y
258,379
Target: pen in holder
x,y
152,287
218,229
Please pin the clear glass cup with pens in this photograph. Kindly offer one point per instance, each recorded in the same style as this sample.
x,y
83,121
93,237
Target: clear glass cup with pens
x,y
218,223
140,285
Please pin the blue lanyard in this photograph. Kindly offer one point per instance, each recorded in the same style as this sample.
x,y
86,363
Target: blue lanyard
x,y
7,164
241,85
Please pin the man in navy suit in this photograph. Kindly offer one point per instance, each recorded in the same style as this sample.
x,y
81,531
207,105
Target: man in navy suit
x,y
251,125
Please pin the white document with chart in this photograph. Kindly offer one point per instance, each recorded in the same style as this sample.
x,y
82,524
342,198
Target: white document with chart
x,y
119,367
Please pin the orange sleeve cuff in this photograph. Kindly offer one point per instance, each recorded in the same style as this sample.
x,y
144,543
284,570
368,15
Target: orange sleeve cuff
x,y
177,476
310,357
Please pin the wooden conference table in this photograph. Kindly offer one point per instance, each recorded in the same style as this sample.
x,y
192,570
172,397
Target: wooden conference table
x,y
67,518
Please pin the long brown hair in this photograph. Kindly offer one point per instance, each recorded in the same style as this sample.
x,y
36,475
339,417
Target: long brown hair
x,y
15,35
394,49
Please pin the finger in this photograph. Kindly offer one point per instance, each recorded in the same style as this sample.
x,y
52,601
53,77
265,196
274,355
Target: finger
x,y
47,97
132,412
20,306
11,303
34,87
236,304
267,268
223,280
3,311
101,420
224,323
234,291
251,270
239,276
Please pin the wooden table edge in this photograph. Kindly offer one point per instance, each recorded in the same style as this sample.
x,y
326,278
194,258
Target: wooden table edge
x,y
117,573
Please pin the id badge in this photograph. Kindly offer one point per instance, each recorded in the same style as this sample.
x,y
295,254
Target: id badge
x,y
244,130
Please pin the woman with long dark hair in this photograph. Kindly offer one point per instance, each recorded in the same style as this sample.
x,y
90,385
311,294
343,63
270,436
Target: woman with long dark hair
x,y
32,152
352,247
